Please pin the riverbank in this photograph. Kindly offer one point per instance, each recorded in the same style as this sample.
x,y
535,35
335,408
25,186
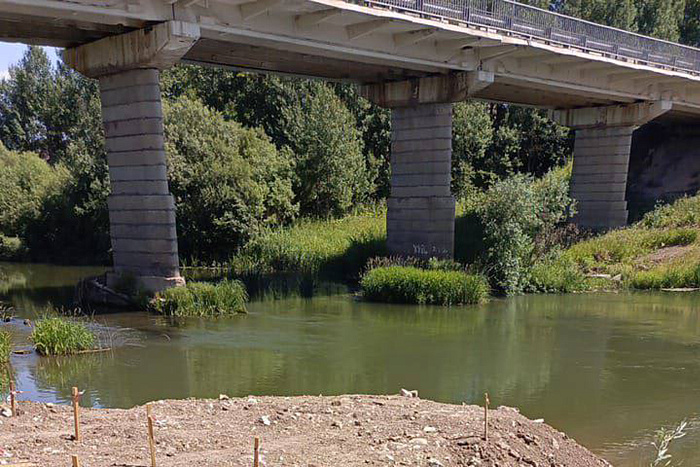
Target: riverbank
x,y
319,431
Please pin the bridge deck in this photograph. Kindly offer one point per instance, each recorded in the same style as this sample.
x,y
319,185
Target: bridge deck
x,y
537,57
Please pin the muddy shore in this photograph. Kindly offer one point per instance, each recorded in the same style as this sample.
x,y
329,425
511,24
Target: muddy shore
x,y
294,431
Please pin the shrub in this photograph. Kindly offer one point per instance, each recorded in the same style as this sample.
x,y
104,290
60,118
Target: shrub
x,y
401,284
60,336
667,276
5,348
338,247
202,299
512,214
229,182
684,212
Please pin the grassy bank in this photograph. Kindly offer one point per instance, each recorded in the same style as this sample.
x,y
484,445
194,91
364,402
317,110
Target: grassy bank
x,y
662,251
202,299
407,284
61,336
338,248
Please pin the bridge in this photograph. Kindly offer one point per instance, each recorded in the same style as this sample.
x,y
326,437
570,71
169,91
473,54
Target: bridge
x,y
416,57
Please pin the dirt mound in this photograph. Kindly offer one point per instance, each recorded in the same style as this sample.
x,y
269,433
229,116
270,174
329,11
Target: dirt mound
x,y
294,431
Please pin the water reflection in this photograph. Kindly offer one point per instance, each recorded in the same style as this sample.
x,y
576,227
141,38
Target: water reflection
x,y
607,369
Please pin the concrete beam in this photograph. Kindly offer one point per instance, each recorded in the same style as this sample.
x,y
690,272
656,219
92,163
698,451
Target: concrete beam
x,y
445,89
159,46
612,116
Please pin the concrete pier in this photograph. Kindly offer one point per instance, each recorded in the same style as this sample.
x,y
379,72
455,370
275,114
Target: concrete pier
x,y
599,179
421,208
141,208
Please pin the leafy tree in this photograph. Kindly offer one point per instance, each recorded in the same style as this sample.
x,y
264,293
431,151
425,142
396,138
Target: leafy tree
x,y
690,28
472,138
331,170
229,182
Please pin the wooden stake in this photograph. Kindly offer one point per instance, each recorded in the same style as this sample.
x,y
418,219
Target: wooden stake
x,y
486,416
76,413
13,401
76,461
256,457
151,437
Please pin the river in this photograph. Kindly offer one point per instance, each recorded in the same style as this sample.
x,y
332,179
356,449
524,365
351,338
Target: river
x,y
608,369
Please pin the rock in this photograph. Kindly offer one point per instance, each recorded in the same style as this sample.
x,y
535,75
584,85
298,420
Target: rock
x,y
223,397
6,412
432,462
429,429
419,441
337,425
407,393
336,403
265,420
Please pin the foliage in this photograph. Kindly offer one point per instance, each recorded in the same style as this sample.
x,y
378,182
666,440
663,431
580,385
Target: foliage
x,y
331,172
662,443
404,284
510,216
556,273
339,247
5,348
684,212
229,183
25,182
61,336
202,299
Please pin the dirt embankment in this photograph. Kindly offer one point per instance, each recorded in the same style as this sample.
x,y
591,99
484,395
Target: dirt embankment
x,y
294,431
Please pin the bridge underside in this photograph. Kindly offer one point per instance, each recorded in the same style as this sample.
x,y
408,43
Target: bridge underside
x,y
415,64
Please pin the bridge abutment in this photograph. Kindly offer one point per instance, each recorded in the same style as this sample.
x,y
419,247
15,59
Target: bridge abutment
x,y
141,208
421,208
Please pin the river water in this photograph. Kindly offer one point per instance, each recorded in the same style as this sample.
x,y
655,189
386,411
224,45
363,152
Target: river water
x,y
608,369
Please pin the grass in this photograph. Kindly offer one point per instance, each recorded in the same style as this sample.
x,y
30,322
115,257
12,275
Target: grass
x,y
61,336
201,299
557,274
5,347
339,248
406,284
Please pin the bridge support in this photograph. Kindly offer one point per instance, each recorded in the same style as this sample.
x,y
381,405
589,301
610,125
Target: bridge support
x,y
421,208
601,159
141,208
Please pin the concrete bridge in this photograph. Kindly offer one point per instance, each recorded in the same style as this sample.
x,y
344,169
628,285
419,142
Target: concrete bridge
x,y
416,57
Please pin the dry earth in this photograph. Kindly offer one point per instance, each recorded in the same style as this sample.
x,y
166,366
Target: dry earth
x,y
294,431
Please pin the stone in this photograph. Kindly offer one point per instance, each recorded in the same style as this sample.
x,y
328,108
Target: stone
x,y
265,420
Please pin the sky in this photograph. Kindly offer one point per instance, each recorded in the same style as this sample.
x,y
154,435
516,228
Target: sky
x,y
11,53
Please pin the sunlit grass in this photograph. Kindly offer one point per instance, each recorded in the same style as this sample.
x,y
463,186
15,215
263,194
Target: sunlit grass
x,y
339,247
404,284
202,299
5,347
61,336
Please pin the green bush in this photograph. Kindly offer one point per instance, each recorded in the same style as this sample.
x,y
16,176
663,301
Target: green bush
x,y
338,247
61,336
202,299
229,182
401,284
510,217
5,348
684,212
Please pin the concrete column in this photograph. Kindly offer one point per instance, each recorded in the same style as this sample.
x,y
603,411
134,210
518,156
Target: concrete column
x,y
599,179
421,208
141,209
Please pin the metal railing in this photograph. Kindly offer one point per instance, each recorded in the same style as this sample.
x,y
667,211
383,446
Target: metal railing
x,y
516,19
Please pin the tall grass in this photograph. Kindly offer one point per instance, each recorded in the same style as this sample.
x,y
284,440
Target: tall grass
x,y
337,247
5,348
202,299
61,336
404,284
556,274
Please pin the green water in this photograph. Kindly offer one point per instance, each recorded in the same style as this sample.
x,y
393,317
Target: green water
x,y
607,369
